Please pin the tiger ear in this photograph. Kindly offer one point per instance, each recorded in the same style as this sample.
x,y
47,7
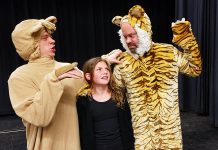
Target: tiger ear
x,y
117,20
88,76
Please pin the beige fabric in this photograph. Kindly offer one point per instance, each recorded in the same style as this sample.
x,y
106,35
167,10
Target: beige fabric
x,y
26,33
46,105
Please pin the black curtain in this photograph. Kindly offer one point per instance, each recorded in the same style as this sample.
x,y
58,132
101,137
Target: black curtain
x,y
202,96
84,30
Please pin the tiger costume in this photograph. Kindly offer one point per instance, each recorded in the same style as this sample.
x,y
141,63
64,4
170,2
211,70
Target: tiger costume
x,y
151,81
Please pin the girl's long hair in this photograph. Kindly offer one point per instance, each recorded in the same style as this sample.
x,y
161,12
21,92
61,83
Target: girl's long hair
x,y
117,94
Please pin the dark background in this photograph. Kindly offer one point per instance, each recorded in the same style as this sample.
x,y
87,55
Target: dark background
x,y
84,30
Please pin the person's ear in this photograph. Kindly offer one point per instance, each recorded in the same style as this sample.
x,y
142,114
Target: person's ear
x,y
88,76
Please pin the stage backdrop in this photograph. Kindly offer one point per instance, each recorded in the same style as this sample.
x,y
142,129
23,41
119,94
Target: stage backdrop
x,y
202,93
84,30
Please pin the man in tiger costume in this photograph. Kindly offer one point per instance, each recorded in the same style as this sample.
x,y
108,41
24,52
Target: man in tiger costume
x,y
149,74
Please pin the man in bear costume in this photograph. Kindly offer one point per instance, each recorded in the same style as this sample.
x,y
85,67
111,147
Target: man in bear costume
x,y
149,74
43,92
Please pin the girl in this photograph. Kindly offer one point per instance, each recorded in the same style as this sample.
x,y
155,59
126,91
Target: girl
x,y
104,115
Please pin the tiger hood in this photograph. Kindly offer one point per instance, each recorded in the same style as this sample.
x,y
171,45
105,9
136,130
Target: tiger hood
x,y
140,21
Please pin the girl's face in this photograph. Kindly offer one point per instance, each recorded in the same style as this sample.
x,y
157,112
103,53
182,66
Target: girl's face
x,y
101,74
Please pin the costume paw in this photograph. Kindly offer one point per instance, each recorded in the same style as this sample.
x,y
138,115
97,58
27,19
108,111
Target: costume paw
x,y
178,21
181,30
65,69
112,57
180,26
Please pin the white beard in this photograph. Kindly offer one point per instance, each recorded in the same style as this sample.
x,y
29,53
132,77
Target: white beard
x,y
144,44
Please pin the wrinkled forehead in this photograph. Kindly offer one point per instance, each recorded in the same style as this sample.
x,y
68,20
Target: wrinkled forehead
x,y
126,25
126,28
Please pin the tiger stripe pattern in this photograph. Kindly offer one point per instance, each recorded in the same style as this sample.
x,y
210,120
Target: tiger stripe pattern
x,y
151,84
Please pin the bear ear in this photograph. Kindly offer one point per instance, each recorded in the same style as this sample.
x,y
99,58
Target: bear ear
x,y
51,19
117,20
37,27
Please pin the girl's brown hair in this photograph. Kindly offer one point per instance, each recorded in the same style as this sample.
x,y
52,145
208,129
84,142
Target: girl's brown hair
x,y
116,92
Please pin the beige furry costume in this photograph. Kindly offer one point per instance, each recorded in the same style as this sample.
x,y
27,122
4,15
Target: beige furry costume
x,y
151,81
46,105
